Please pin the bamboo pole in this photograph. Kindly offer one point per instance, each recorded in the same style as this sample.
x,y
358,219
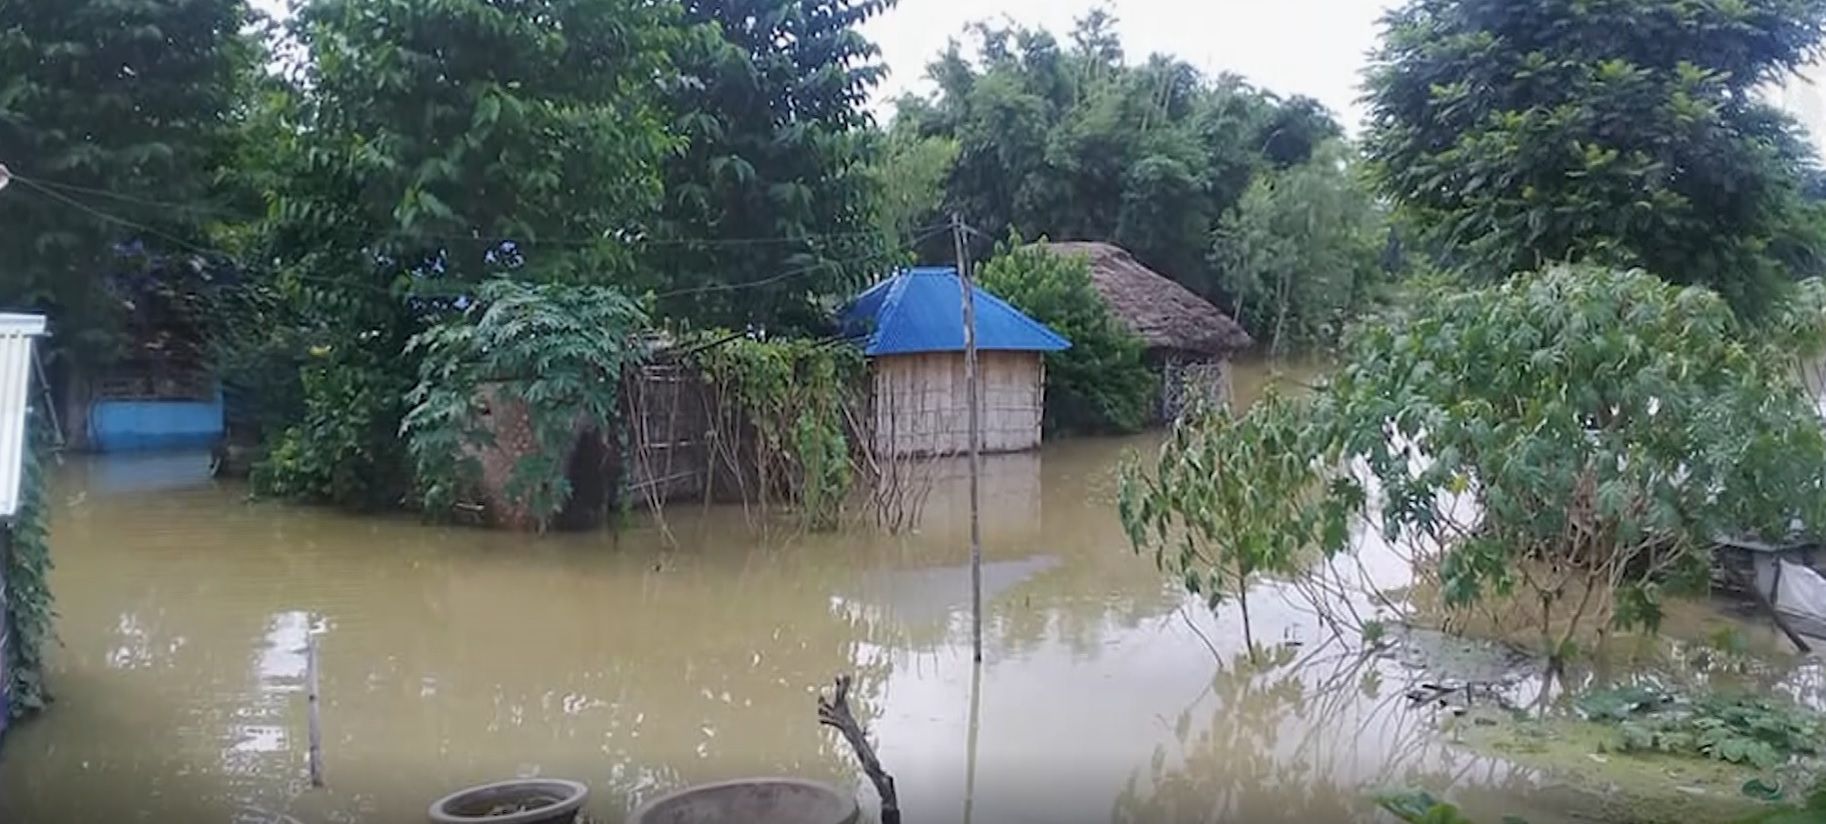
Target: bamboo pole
x,y
315,753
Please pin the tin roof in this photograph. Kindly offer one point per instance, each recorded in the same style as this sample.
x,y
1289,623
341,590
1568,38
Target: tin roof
x,y
16,335
921,310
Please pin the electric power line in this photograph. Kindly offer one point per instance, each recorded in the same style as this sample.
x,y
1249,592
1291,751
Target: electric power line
x,y
916,237
47,186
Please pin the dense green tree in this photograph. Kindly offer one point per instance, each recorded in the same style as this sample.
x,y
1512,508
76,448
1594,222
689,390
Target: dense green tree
x,y
1300,255
1101,384
1628,132
431,145
1069,141
770,211
911,171
106,107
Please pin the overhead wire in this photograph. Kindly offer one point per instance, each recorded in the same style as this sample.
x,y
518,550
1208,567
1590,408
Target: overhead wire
x,y
916,236
221,212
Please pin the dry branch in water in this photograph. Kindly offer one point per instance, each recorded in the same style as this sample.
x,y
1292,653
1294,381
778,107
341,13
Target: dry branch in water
x,y
835,712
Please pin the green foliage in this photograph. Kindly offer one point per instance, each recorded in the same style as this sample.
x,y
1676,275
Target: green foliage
x,y
25,548
476,139
559,349
431,146
1068,141
771,103
1300,254
1420,807
1737,729
1101,383
786,401
130,98
1230,497
1627,134
911,172
1609,426
345,448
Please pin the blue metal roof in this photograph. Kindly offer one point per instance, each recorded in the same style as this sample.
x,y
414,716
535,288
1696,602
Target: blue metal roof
x,y
921,310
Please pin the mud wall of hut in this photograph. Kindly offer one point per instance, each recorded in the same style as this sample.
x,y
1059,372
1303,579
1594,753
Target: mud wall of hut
x,y
921,407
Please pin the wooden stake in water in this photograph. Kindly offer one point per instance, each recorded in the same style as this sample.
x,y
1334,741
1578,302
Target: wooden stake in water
x,y
970,398
315,754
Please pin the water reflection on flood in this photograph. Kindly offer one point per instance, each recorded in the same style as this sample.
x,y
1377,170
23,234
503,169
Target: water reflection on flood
x,y
455,656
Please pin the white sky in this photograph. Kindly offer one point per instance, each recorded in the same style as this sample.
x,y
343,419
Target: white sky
x,y
1315,48
1312,47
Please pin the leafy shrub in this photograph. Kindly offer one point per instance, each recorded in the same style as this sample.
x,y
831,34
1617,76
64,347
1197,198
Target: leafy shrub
x,y
1101,383
345,449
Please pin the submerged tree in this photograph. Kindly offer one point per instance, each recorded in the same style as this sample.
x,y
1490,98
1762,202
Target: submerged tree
x,y
1233,497
1608,427
1624,133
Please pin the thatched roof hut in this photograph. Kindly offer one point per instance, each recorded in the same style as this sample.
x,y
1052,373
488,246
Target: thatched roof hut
x,y
1189,340
1168,317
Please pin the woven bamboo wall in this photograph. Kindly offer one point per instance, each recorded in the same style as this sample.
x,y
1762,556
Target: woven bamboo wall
x,y
921,407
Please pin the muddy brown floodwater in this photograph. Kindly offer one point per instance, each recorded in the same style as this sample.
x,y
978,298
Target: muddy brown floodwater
x,y
453,656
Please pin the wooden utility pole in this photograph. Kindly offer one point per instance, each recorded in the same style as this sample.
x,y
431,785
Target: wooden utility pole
x,y
971,396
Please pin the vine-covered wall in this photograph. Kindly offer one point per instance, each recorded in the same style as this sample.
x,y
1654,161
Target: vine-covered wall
x,y
28,596
787,400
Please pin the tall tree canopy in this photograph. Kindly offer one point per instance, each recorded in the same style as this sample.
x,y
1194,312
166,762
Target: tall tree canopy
x,y
428,147
104,106
1623,131
772,105
1069,141
1301,253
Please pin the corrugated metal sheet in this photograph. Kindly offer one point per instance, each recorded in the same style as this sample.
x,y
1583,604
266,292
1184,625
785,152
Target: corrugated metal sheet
x,y
921,310
17,334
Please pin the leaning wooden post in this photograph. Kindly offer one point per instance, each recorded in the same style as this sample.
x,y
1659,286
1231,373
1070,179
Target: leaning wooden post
x,y
835,712
971,397
315,753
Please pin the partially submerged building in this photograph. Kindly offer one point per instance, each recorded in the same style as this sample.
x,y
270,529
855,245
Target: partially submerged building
x,y
18,333
911,328
1189,341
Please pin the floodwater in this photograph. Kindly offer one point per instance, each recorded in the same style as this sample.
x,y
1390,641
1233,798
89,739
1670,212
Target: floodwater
x,y
450,657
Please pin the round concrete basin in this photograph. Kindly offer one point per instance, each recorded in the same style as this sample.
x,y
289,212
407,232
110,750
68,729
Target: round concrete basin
x,y
522,801
752,801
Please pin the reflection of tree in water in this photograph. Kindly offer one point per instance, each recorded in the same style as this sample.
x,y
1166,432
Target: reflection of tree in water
x,y
1286,740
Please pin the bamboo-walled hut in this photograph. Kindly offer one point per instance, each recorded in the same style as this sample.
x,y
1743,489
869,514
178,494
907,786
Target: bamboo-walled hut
x,y
1189,341
911,328
17,335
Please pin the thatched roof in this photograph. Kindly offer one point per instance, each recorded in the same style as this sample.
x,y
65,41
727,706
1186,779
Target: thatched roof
x,y
1165,314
